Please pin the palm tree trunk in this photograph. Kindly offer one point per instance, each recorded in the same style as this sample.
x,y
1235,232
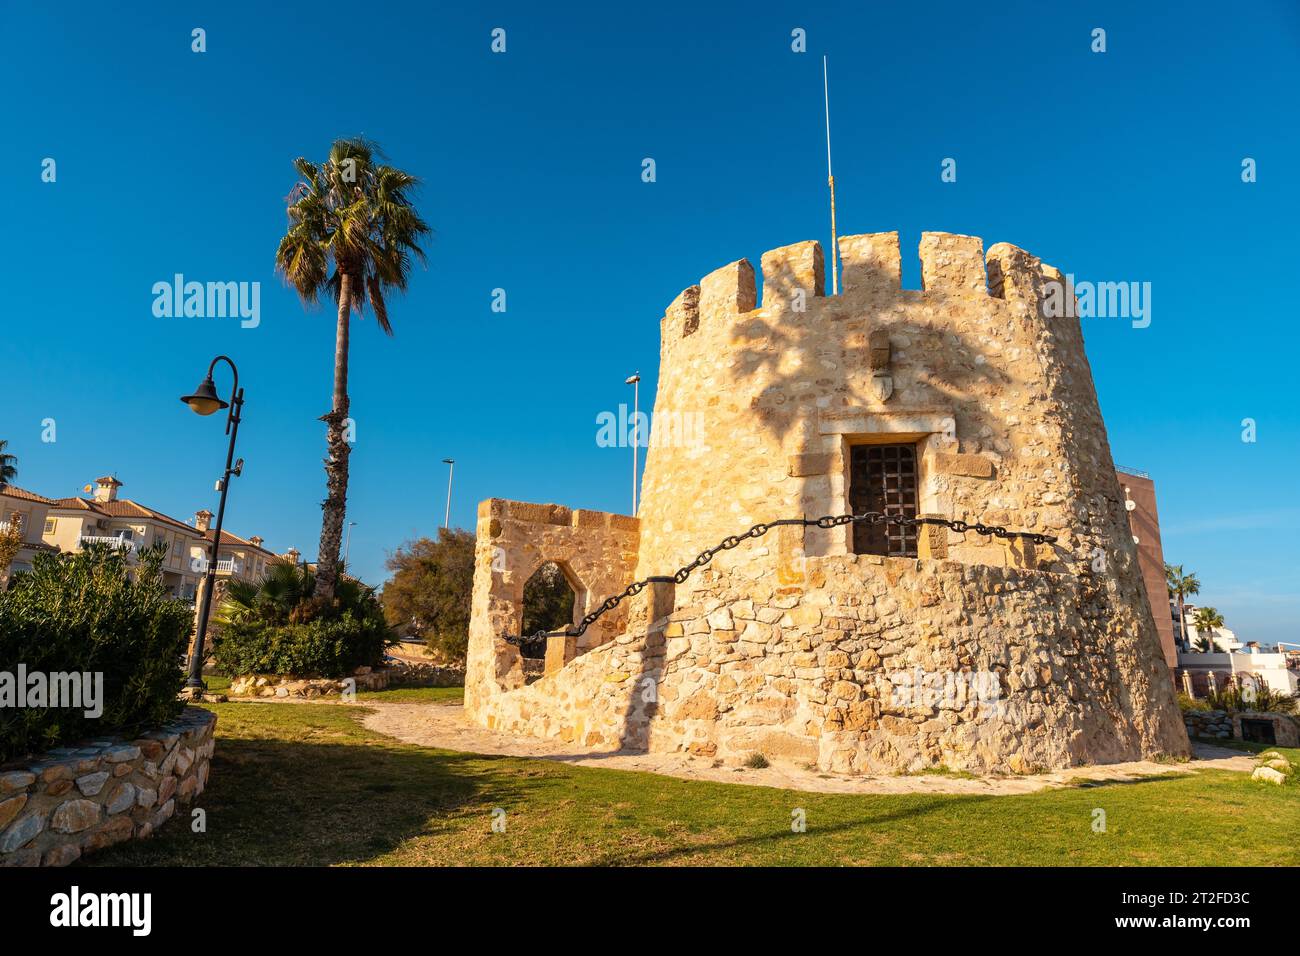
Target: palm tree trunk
x,y
334,507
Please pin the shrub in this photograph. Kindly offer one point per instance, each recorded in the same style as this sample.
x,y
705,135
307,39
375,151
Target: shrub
x,y
276,626
1261,698
92,612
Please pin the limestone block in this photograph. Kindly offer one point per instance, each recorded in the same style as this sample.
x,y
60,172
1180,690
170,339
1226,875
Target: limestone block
x,y
560,649
1268,775
808,464
970,466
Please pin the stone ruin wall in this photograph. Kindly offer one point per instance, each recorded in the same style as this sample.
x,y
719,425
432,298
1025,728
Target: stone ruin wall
x,y
790,645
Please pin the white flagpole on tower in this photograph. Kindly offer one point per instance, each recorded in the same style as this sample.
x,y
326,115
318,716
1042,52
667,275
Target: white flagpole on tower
x,y
830,178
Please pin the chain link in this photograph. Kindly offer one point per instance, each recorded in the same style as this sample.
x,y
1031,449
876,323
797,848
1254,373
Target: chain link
x,y
757,531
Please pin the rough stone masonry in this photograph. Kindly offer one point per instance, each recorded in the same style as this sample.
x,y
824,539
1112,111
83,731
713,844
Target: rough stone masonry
x,y
977,653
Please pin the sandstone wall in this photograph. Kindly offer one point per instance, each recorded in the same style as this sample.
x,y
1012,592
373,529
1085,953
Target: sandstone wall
x,y
998,399
78,800
597,552
869,665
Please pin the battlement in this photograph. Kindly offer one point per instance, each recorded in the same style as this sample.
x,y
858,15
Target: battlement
x,y
952,265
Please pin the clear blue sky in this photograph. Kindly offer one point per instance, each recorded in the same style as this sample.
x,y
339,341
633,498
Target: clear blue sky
x,y
1116,166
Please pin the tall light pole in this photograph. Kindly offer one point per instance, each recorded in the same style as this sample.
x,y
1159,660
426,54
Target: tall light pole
x,y
347,544
205,401
635,381
446,518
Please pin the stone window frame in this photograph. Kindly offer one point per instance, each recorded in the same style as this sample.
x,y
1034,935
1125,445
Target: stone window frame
x,y
928,430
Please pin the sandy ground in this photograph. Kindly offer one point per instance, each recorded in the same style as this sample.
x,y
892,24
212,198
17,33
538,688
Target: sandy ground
x,y
444,726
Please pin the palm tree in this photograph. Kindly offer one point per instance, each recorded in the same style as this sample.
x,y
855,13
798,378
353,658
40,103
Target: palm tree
x,y
8,466
353,215
1206,619
1181,586
285,595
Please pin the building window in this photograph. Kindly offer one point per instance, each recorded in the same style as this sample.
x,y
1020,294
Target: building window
x,y
49,525
883,478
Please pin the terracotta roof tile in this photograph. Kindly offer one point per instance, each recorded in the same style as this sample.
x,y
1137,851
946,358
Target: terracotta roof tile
x,y
13,491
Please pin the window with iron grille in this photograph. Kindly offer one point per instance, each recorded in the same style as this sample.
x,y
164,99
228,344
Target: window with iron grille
x,y
883,478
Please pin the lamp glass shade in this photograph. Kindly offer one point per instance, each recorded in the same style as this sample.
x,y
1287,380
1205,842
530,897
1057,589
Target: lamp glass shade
x,y
205,400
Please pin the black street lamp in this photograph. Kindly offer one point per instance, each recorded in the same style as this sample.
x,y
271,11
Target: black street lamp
x,y
205,401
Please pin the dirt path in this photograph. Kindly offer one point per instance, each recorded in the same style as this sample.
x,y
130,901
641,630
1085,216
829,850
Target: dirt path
x,y
444,726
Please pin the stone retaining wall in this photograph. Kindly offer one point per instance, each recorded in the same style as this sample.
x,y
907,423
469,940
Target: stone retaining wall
x,y
76,800
274,685
1208,723
422,674
401,674
1223,725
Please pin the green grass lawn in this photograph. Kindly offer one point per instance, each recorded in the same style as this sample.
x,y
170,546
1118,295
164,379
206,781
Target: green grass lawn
x,y
1291,753
308,784
407,695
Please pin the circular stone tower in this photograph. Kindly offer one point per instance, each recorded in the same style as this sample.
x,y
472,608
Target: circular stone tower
x,y
860,648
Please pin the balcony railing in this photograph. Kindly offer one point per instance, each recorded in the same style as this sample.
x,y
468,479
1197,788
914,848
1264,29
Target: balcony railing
x,y
229,565
113,541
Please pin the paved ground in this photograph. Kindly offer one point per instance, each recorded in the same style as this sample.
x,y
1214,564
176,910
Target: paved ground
x,y
444,726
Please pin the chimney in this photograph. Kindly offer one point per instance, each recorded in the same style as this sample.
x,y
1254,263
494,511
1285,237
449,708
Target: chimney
x,y
202,520
292,556
106,488
256,540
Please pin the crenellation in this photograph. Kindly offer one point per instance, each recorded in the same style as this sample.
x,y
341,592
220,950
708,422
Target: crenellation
x,y
790,271
728,291
870,262
952,264
1012,272
683,314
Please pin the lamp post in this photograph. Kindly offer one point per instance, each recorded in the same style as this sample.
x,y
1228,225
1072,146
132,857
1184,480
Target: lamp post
x,y
205,401
446,518
347,544
635,381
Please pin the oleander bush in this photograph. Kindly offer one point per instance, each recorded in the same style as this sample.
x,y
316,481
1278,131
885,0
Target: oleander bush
x,y
277,626
91,613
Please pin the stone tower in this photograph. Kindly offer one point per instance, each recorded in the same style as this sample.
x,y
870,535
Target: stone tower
x,y
860,649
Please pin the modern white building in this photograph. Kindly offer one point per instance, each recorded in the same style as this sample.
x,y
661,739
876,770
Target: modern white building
x,y
1227,668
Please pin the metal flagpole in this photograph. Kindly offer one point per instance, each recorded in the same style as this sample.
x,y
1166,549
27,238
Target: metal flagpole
x,y
830,178
635,381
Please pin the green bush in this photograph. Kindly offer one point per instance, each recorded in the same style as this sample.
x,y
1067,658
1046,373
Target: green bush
x,y
1263,698
92,612
276,626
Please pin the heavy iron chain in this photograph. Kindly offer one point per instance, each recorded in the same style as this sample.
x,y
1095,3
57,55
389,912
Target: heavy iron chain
x,y
726,544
